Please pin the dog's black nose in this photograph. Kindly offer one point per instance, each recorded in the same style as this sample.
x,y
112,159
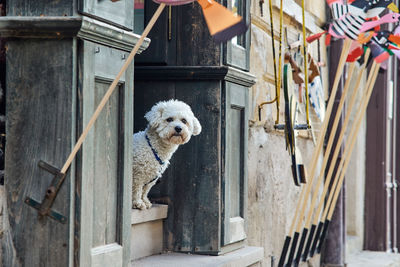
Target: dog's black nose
x,y
178,129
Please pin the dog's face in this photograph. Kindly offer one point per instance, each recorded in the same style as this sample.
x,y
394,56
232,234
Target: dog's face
x,y
173,121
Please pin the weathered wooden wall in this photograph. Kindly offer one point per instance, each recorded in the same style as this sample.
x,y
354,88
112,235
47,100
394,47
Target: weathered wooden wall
x,y
39,126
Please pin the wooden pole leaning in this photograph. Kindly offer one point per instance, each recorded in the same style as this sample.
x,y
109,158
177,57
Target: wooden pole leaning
x,y
110,90
323,167
344,162
334,156
305,191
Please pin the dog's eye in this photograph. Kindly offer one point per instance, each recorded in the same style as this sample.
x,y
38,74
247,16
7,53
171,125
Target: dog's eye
x,y
184,121
169,119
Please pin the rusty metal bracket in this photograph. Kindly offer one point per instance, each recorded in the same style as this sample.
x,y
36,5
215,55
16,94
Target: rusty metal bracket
x,y
44,208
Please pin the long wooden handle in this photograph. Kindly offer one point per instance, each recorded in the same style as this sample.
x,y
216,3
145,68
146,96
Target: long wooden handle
x,y
339,168
322,170
328,150
110,90
348,151
307,188
343,166
339,141
332,164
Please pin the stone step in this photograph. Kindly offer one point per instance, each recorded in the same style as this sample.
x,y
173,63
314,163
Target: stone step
x,y
354,244
373,259
243,257
147,231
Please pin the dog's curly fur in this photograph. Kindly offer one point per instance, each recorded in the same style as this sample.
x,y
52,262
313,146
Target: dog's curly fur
x,y
170,124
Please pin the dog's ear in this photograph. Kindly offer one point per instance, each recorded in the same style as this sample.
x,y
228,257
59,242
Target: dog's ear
x,y
196,126
154,115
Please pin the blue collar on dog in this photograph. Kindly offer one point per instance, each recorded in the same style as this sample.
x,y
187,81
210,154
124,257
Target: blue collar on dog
x,y
154,151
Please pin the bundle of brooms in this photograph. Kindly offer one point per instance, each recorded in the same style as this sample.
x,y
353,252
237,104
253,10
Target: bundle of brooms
x,y
316,221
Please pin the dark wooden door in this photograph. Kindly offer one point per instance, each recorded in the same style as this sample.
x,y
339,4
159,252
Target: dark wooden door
x,y
375,190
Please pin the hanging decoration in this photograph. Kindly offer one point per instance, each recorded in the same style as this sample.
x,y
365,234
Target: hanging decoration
x,y
290,71
291,106
316,92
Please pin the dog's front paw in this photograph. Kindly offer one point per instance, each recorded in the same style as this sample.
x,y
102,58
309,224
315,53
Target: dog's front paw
x,y
139,204
147,202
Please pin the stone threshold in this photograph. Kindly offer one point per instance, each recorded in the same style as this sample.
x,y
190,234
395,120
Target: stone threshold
x,y
373,259
156,212
239,258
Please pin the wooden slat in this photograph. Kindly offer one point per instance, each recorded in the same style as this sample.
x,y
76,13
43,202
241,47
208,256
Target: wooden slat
x,y
104,157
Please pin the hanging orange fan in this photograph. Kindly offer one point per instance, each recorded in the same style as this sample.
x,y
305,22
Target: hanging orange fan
x,y
222,23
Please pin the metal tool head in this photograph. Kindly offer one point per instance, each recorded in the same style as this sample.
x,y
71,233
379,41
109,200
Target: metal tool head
x,y
44,208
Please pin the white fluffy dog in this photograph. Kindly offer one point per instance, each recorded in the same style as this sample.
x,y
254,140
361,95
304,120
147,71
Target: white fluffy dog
x,y
170,124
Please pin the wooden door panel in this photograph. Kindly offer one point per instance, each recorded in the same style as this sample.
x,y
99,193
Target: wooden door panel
x,y
235,163
105,168
106,173
235,159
